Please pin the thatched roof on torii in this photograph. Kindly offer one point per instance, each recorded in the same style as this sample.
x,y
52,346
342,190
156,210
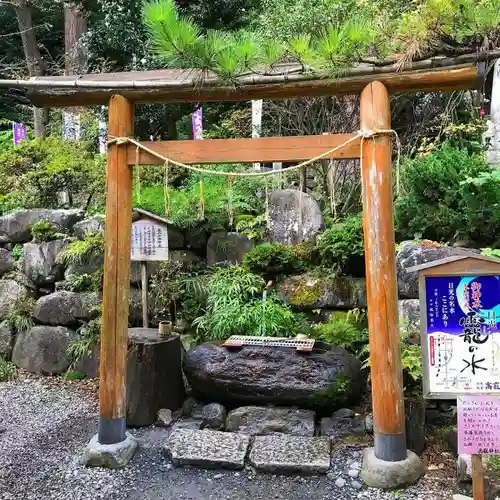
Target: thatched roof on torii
x,y
284,81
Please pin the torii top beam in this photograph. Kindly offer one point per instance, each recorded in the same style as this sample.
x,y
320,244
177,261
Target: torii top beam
x,y
283,82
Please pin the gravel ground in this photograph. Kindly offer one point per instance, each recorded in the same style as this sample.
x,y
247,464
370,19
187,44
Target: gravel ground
x,y
46,422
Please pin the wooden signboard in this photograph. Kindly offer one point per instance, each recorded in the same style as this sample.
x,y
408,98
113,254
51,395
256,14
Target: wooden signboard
x,y
460,334
149,243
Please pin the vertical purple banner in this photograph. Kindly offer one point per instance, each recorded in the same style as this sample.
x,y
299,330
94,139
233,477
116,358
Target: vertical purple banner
x,y
198,124
18,133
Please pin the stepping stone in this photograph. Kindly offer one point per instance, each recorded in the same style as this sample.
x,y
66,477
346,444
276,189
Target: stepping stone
x,y
282,454
206,448
261,420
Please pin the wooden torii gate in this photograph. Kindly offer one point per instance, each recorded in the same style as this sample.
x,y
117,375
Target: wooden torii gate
x,y
122,91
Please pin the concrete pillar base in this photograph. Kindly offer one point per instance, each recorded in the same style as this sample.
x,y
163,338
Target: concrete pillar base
x,y
111,456
386,475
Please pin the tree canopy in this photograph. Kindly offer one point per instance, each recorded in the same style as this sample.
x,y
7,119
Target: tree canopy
x,y
325,35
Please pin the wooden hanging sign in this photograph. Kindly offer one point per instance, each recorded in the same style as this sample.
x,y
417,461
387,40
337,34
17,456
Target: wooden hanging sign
x,y
149,238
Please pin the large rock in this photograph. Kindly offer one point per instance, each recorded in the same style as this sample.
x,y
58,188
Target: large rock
x,y
89,365
323,380
92,265
175,238
66,308
343,423
15,227
10,292
409,313
227,247
196,238
5,340
39,262
186,256
293,217
6,261
93,225
43,349
414,254
311,292
260,420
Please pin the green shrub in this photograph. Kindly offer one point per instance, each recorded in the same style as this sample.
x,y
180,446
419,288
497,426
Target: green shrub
x,y
449,194
340,243
85,282
17,251
44,231
80,252
73,375
272,258
35,172
252,226
344,330
8,370
491,252
234,306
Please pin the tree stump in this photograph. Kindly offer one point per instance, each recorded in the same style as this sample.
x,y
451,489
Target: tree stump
x,y
154,375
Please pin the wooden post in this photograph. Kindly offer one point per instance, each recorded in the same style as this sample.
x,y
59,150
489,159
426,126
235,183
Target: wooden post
x,y
114,335
381,282
144,293
477,477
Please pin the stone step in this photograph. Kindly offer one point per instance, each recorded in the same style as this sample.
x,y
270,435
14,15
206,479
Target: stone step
x,y
276,453
207,448
285,454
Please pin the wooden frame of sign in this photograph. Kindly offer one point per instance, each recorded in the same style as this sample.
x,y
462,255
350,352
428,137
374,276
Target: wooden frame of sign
x,y
462,265
149,244
465,267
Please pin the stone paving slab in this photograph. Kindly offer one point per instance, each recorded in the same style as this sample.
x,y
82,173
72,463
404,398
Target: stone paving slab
x,y
283,454
207,448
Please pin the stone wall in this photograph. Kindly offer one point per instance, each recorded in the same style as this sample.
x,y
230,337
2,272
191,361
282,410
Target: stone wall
x,y
59,313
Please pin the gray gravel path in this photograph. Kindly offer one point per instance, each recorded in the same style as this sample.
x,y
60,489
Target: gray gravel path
x,y
44,425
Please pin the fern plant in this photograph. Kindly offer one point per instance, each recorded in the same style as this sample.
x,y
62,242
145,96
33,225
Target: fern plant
x,y
8,370
20,315
89,334
82,251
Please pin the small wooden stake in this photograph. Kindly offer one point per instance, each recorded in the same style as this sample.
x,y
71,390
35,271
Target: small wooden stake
x,y
477,477
144,294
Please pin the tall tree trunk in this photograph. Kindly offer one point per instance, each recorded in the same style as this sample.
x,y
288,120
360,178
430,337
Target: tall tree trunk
x,y
75,27
36,66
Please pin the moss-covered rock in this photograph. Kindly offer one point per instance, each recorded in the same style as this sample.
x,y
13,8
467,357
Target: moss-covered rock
x,y
311,292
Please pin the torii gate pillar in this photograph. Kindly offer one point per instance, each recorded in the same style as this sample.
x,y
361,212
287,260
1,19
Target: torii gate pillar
x,y
389,453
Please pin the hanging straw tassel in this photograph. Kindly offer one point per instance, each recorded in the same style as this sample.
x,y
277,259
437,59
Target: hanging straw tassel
x,y
166,192
266,184
137,176
333,204
230,199
202,199
301,195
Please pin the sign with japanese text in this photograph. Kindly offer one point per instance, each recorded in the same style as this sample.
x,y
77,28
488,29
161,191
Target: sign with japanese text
x,y
149,241
478,425
198,124
463,334
19,133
